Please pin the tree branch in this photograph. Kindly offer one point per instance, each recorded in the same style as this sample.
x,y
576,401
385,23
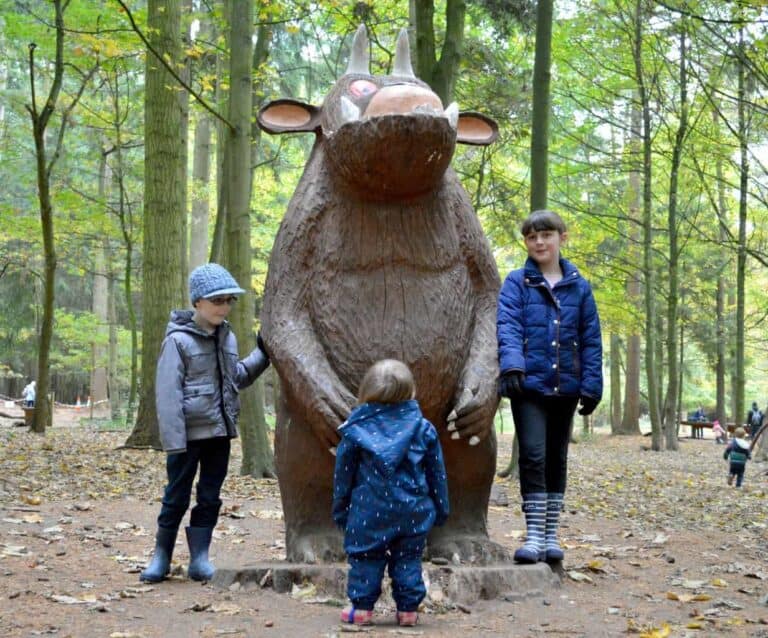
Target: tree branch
x,y
170,70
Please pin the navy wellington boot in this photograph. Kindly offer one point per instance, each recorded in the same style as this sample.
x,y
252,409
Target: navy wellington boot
x,y
199,539
160,566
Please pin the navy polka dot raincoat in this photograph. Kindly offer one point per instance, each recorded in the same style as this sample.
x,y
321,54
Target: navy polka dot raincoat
x,y
390,478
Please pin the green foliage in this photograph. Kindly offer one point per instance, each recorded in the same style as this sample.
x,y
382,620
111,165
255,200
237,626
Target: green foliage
x,y
591,152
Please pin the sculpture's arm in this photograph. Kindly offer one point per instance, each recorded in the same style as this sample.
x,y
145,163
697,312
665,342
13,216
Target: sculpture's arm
x,y
287,329
476,398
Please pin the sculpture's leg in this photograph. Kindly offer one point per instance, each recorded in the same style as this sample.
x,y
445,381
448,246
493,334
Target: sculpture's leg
x,y
470,476
305,474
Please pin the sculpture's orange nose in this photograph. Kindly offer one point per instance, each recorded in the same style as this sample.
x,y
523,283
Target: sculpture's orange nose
x,y
402,98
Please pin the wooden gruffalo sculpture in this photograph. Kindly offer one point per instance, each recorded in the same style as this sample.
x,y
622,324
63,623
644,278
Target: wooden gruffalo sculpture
x,y
380,255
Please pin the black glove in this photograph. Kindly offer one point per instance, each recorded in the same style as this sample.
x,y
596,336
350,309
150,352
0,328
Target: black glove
x,y
588,405
260,344
511,384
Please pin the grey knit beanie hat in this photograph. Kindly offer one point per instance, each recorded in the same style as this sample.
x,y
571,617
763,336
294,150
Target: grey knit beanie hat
x,y
211,280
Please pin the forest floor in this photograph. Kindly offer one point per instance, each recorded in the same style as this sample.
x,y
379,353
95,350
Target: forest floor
x,y
656,545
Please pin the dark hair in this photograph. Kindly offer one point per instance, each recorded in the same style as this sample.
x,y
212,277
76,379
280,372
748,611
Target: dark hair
x,y
542,220
387,381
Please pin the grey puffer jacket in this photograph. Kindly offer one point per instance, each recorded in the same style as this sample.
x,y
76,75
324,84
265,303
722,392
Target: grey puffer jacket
x,y
198,381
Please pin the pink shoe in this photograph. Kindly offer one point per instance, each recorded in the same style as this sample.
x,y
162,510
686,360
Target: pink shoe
x,y
407,618
354,616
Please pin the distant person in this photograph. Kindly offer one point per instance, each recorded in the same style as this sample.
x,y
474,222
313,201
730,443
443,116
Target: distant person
x,y
389,488
718,431
699,414
738,452
754,419
550,357
198,380
29,394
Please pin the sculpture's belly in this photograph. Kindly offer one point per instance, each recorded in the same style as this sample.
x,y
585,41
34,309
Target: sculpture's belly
x,y
423,318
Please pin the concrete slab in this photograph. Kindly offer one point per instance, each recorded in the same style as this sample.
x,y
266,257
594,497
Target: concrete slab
x,y
463,584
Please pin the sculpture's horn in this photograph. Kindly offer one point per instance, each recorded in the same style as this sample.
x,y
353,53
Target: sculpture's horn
x,y
358,61
403,56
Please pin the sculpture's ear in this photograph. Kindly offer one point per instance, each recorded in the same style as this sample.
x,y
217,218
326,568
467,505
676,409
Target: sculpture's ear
x,y
476,129
289,116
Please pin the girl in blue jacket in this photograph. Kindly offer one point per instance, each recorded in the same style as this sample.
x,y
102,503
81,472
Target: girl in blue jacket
x,y
550,358
389,488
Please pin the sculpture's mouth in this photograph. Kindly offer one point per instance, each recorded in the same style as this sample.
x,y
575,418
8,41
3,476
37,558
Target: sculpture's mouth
x,y
399,146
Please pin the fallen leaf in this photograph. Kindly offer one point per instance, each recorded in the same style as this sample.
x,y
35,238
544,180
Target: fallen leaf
x,y
579,577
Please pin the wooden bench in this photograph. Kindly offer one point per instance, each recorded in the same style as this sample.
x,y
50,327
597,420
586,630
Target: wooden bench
x,y
697,427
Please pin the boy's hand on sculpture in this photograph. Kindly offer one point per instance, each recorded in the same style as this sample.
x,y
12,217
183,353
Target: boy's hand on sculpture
x,y
511,383
588,405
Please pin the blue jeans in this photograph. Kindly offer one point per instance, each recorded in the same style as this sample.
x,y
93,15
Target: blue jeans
x,y
543,426
403,559
212,456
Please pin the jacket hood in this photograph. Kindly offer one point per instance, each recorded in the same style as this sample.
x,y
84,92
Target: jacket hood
x,y
181,321
385,430
744,445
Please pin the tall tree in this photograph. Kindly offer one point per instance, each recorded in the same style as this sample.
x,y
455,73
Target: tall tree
x,y
44,167
673,380
541,106
164,281
257,455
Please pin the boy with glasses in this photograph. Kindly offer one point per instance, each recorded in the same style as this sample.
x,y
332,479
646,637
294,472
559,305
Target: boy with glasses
x,y
199,375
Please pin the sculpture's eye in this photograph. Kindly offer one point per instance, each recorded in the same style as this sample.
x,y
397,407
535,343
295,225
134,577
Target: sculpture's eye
x,y
362,88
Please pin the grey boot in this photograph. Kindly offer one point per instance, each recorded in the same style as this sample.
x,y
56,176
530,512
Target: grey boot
x,y
160,566
535,509
199,540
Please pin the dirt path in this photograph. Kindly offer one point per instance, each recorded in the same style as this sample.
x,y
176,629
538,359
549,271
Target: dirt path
x,y
656,545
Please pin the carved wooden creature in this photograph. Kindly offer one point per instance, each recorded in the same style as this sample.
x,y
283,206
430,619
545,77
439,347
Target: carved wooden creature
x,y
380,255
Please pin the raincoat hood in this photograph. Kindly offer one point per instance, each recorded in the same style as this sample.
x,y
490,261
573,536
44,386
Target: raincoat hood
x,y
385,431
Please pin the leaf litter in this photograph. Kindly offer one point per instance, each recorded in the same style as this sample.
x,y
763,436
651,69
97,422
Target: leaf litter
x,y
649,537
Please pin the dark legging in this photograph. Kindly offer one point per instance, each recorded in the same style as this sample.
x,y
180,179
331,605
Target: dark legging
x,y
543,426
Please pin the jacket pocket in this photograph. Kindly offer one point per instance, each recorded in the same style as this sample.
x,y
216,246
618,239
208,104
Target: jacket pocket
x,y
198,400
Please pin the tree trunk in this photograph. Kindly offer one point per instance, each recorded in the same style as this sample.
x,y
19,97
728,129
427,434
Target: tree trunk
x,y
201,171
630,423
615,372
40,119
541,106
439,74
722,286
164,283
113,379
257,454
100,301
647,224
741,258
673,380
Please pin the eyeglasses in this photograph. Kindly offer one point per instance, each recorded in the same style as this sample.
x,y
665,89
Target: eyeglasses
x,y
220,301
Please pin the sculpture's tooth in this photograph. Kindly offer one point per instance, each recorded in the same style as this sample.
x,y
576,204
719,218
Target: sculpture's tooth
x,y
349,111
452,114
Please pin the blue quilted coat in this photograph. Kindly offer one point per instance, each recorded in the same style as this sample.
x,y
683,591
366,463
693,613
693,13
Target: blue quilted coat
x,y
550,334
390,478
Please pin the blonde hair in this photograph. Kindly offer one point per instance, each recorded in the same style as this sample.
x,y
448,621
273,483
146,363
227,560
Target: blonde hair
x,y
739,432
387,381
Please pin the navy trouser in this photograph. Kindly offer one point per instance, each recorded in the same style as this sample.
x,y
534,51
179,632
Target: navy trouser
x,y
737,470
212,457
543,426
403,560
